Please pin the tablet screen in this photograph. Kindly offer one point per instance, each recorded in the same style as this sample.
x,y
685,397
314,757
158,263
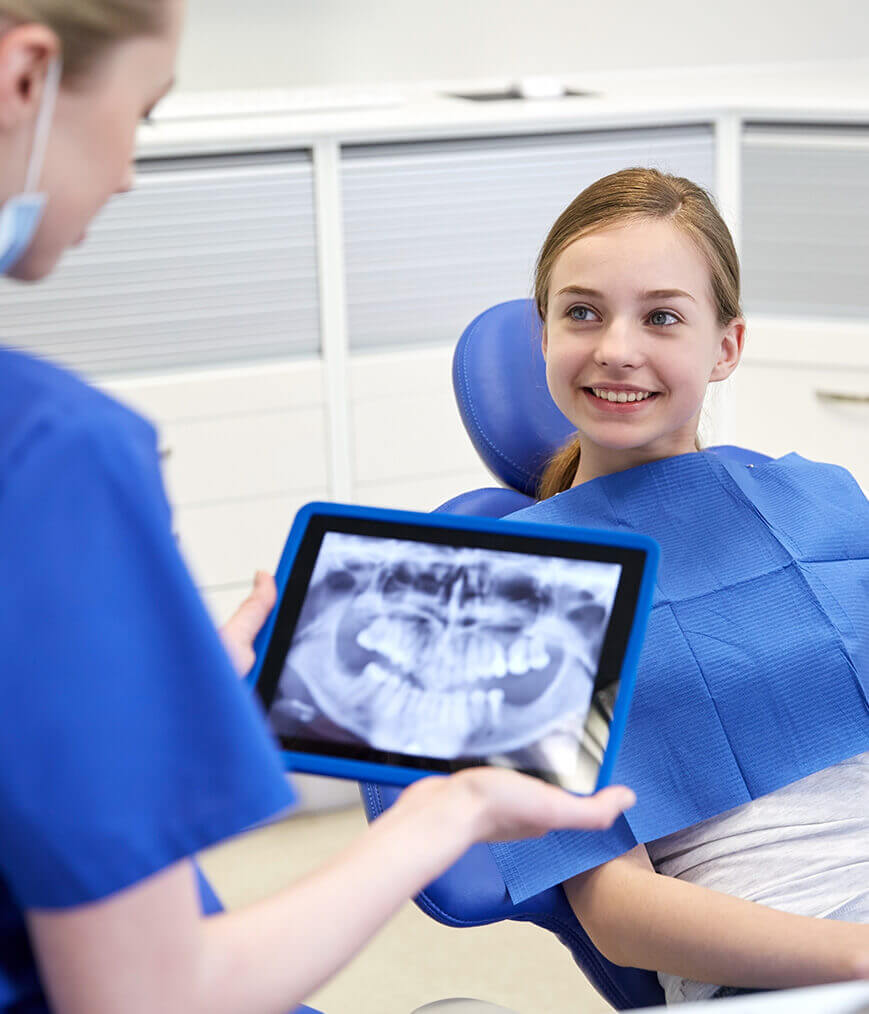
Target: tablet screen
x,y
448,649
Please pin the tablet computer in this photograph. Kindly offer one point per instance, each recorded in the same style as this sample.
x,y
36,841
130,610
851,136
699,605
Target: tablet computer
x,y
405,644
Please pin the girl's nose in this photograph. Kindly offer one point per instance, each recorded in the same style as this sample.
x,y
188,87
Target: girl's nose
x,y
617,346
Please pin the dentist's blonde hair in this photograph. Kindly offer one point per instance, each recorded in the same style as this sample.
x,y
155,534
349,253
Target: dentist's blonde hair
x,y
86,28
630,195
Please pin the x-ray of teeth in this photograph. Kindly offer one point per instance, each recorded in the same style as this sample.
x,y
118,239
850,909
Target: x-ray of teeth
x,y
442,651
568,755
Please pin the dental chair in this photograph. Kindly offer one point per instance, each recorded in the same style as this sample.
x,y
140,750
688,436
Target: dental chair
x,y
499,379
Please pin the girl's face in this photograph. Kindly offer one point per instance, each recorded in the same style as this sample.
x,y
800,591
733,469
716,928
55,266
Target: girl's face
x,y
631,340
91,143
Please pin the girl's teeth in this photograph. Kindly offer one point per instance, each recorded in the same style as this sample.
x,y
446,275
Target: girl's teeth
x,y
620,396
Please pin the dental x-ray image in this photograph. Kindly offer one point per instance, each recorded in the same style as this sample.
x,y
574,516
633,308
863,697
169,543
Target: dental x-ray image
x,y
444,651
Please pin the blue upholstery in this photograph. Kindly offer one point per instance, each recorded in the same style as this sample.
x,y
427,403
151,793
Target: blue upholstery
x,y
499,377
500,384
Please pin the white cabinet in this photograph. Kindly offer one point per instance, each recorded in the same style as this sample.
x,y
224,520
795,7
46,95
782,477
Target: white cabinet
x,y
805,387
207,261
805,213
409,446
243,449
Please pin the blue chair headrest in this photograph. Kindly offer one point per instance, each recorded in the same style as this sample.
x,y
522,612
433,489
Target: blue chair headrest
x,y
499,377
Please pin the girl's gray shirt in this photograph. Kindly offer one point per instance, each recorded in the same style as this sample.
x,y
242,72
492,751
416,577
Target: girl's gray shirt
x,y
803,849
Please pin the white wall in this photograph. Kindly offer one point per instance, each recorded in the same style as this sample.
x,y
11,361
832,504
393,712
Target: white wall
x,y
264,43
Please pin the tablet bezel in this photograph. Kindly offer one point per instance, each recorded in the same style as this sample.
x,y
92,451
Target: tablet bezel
x,y
637,555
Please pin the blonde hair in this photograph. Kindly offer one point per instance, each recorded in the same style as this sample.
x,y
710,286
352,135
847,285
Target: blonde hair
x,y
620,197
86,28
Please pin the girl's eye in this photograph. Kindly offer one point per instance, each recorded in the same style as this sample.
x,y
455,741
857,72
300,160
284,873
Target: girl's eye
x,y
581,313
659,318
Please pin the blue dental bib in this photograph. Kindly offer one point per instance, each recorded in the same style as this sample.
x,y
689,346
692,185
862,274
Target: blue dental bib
x,y
755,668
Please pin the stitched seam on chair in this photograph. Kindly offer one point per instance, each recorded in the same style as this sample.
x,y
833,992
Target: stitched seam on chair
x,y
375,797
434,910
467,390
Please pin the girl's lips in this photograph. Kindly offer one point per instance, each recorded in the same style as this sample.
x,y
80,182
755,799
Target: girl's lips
x,y
618,407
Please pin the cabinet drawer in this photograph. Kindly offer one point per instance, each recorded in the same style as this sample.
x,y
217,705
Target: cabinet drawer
x,y
244,456
228,435
224,544
239,390
822,414
419,435
405,420
422,494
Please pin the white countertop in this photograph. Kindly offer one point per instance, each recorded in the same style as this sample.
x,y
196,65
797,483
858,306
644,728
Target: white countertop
x,y
818,92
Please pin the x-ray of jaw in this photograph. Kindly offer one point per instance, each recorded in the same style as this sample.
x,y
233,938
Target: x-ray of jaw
x,y
442,651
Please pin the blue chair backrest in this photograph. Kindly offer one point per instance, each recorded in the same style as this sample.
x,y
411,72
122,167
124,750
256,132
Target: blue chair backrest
x,y
499,377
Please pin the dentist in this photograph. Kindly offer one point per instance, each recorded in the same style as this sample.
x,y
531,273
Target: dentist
x,y
127,741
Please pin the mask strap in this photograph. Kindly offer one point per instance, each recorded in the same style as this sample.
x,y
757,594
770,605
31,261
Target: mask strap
x,y
43,124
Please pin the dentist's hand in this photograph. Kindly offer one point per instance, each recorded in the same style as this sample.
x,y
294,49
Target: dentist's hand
x,y
239,632
494,804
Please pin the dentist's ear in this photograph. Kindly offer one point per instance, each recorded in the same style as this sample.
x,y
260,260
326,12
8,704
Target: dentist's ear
x,y
25,54
730,351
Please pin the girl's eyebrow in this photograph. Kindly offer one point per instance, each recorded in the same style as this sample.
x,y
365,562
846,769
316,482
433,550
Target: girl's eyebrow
x,y
651,294
580,291
668,294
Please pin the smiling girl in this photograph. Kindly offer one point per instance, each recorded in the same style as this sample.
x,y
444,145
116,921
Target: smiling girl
x,y
638,290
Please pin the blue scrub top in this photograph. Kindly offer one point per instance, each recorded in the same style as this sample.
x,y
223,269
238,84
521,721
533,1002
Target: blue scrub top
x,y
126,739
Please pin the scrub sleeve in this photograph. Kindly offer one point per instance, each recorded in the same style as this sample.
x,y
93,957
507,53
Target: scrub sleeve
x,y
127,742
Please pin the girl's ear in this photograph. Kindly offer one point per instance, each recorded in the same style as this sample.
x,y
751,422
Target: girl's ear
x,y
730,350
544,342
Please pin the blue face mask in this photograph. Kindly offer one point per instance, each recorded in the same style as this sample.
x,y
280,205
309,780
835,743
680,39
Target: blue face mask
x,y
21,214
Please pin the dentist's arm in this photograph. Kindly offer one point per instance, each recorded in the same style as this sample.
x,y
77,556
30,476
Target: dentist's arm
x,y
639,918
148,949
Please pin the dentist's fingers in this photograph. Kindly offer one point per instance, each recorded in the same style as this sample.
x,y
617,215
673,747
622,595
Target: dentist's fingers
x,y
500,805
240,631
519,806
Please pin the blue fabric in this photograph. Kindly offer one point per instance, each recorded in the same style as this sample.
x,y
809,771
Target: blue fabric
x,y
755,668
127,741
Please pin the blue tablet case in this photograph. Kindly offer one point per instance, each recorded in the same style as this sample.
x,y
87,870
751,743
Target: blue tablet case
x,y
397,775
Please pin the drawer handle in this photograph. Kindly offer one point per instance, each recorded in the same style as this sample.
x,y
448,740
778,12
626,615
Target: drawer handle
x,y
854,399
